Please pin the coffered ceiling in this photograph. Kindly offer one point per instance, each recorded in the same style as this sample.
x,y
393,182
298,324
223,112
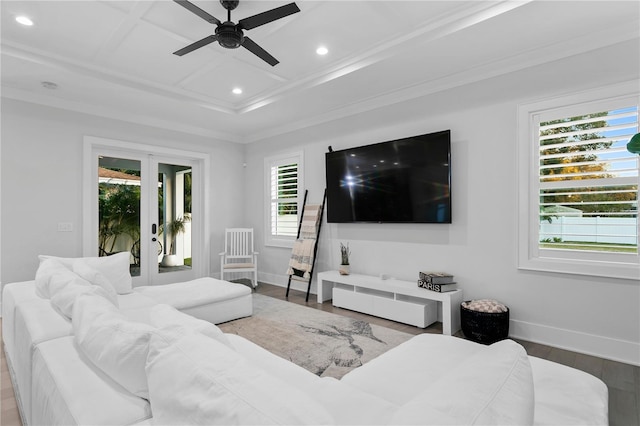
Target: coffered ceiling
x,y
114,58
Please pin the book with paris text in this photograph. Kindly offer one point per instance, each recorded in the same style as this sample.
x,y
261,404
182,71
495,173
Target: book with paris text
x,y
436,277
440,288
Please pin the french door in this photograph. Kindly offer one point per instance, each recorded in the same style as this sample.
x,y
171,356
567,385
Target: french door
x,y
150,205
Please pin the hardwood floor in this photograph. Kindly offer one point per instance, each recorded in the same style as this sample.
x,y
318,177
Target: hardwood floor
x,y
623,380
9,415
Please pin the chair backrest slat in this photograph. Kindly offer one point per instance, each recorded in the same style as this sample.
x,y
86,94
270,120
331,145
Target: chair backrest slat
x,y
239,242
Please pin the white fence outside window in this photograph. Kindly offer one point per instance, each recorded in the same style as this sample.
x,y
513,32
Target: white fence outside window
x,y
611,230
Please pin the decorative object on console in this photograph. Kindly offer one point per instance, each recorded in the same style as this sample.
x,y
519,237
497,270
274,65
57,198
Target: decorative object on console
x,y
436,281
634,144
484,320
436,277
344,255
440,288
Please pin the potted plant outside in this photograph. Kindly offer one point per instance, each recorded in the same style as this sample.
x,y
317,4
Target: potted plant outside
x,y
174,228
344,255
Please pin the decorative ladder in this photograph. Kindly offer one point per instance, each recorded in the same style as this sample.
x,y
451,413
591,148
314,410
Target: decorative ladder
x,y
315,245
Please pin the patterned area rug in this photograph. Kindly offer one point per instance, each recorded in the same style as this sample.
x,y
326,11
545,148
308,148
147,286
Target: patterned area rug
x,y
326,344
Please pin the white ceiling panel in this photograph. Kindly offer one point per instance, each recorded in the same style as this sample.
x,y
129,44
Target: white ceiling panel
x,y
219,81
146,49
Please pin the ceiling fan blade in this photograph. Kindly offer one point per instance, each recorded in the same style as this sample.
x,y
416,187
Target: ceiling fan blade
x,y
268,16
197,45
252,47
201,13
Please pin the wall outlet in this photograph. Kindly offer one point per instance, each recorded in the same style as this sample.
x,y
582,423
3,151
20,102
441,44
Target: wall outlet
x,y
65,227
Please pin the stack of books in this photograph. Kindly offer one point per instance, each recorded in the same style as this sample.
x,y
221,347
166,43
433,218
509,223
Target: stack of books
x,y
437,281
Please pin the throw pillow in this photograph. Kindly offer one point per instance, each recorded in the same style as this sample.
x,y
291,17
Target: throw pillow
x,y
115,268
64,300
97,278
51,277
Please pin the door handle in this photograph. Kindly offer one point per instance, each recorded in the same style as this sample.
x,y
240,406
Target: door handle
x,y
153,229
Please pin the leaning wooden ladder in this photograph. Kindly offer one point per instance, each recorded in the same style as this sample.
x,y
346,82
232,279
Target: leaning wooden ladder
x,y
303,255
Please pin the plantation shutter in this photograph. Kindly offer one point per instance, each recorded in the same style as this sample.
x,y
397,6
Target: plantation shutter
x,y
588,181
284,199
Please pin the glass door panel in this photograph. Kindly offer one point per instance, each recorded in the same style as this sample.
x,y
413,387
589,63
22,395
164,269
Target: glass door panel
x,y
119,192
174,217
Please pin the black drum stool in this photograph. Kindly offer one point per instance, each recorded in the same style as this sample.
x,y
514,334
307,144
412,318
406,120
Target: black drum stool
x,y
484,320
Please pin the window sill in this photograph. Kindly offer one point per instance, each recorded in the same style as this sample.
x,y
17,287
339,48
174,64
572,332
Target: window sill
x,y
280,242
618,270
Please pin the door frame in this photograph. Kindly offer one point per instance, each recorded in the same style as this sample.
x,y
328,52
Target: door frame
x,y
93,146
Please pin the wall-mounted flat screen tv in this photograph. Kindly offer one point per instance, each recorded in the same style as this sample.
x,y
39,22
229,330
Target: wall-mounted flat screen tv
x,y
401,181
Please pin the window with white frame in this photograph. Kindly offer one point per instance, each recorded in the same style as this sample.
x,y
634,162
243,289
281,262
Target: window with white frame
x,y
578,203
283,177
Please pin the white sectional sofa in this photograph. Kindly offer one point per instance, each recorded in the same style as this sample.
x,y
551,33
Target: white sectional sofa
x,y
144,362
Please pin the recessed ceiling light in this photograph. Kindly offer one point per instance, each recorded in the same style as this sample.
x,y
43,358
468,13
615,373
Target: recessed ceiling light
x,y
24,20
322,50
237,91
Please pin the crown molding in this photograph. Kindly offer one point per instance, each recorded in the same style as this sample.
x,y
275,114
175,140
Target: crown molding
x,y
139,119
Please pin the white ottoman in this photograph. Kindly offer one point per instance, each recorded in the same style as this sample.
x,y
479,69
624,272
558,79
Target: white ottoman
x,y
206,298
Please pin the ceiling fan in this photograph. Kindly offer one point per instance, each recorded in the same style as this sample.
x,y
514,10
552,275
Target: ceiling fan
x,y
230,35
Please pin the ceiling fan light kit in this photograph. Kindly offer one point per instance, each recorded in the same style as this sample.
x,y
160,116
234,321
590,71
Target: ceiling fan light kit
x,y
230,35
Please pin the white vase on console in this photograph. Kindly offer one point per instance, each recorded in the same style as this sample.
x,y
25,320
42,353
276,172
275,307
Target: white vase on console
x,y
344,269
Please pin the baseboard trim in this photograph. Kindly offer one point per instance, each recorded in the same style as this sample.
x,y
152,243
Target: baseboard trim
x,y
590,344
281,281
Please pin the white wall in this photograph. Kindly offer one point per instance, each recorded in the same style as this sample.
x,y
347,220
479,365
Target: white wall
x,y
42,181
588,314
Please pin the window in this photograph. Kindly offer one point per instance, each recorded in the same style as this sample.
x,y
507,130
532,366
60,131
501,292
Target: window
x,y
578,204
283,175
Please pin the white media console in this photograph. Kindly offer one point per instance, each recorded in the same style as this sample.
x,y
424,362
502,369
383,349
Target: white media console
x,y
401,301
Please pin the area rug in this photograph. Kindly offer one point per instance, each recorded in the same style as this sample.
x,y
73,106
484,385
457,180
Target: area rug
x,y
328,345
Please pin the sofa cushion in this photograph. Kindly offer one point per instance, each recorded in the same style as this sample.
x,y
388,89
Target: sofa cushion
x,y
201,291
414,365
69,390
194,379
114,344
494,386
163,316
115,268
349,405
567,396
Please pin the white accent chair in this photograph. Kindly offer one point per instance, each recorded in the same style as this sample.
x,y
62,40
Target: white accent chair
x,y
238,254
